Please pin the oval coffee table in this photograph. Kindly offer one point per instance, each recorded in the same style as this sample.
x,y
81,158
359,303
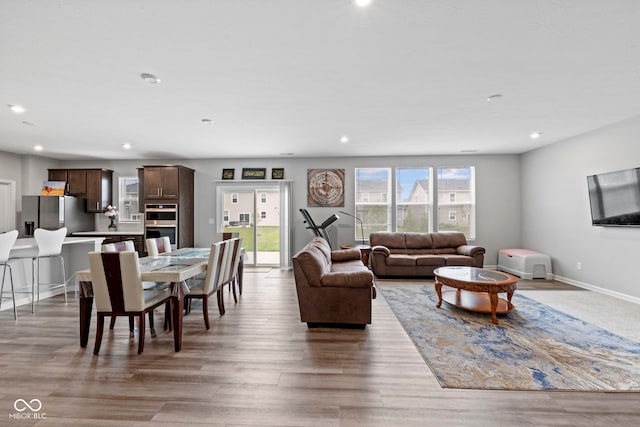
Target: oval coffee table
x,y
476,289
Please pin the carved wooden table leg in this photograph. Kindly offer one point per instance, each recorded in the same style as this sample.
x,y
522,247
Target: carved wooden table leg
x,y
494,305
439,292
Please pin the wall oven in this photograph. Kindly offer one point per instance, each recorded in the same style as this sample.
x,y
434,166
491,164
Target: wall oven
x,y
161,220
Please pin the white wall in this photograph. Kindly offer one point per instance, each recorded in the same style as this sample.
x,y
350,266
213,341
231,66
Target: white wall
x,y
556,218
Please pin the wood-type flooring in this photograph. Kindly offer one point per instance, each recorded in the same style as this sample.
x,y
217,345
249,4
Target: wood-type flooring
x,y
258,365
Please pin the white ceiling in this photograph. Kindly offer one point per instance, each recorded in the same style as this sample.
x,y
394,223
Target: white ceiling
x,y
401,77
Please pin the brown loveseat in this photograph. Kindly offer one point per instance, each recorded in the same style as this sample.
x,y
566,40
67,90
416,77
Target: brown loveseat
x,y
334,287
418,254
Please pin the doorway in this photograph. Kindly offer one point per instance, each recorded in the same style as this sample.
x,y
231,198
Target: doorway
x,y
259,213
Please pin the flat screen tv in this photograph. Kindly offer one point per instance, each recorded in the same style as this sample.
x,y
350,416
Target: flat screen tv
x,y
615,198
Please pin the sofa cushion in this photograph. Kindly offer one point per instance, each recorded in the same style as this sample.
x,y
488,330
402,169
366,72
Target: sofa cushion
x,y
441,251
448,240
313,264
401,260
393,241
458,260
346,255
430,260
418,243
320,244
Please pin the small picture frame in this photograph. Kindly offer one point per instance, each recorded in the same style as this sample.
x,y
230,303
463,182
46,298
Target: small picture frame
x,y
277,173
254,173
228,173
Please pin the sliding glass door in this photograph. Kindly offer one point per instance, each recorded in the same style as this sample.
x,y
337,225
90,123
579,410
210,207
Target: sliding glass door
x,y
259,213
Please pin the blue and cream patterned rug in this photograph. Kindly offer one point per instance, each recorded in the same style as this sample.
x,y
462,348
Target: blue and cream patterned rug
x,y
535,347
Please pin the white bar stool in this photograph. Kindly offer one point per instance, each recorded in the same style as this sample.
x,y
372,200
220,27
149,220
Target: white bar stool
x,y
7,240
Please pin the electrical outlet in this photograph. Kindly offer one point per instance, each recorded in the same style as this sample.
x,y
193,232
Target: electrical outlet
x,y
579,266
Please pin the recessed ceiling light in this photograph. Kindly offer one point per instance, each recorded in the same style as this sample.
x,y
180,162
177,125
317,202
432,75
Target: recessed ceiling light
x,y
150,78
38,147
495,97
535,135
344,139
363,3
207,121
17,109
126,146
27,123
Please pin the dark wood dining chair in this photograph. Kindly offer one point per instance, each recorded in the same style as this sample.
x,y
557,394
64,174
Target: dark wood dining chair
x,y
118,291
203,287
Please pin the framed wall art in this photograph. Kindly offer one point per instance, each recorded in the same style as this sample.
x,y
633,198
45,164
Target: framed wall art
x,y
277,173
228,173
254,173
325,187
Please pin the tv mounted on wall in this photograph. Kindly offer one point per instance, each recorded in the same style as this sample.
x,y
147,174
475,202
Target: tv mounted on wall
x,y
615,198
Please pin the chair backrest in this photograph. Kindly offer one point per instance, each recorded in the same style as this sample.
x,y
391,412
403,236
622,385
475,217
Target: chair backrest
x,y
232,254
158,245
117,285
49,241
127,245
236,244
7,240
215,264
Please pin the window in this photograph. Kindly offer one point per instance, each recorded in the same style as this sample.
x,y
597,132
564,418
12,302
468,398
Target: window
x,y
129,210
244,218
263,197
263,215
413,199
234,197
373,206
424,199
225,215
456,200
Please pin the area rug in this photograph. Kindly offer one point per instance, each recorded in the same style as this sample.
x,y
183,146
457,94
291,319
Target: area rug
x,y
535,347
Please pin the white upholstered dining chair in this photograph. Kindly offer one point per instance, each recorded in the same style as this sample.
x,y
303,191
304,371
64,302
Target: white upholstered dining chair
x,y
158,245
117,290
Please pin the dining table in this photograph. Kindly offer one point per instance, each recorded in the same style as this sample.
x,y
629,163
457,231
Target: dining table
x,y
173,267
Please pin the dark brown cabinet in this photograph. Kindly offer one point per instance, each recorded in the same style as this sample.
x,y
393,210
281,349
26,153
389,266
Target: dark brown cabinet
x,y
94,185
171,185
161,182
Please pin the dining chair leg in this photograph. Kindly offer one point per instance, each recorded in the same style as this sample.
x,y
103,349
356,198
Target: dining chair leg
x,y
151,324
13,294
233,288
33,286
131,326
205,311
220,295
141,334
112,324
99,330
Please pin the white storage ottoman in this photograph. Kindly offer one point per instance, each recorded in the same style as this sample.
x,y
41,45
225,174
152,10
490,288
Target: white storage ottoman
x,y
525,263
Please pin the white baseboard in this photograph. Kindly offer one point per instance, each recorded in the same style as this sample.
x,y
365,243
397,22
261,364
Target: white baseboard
x,y
597,289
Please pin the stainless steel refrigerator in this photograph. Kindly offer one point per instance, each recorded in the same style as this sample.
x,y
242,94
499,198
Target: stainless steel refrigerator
x,y
54,212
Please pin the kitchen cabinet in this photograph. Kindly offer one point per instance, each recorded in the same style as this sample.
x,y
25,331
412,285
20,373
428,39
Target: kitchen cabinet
x,y
76,180
94,185
161,182
171,185
99,189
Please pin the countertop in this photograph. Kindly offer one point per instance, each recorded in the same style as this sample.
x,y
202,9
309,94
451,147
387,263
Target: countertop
x,y
30,243
109,233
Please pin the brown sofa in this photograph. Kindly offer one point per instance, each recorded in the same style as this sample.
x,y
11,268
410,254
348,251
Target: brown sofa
x,y
334,287
418,254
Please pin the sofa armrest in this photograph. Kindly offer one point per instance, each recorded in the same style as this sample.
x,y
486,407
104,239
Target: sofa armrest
x,y
382,250
470,250
347,279
351,254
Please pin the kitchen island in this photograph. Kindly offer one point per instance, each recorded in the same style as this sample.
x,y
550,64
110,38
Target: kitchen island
x,y
74,253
